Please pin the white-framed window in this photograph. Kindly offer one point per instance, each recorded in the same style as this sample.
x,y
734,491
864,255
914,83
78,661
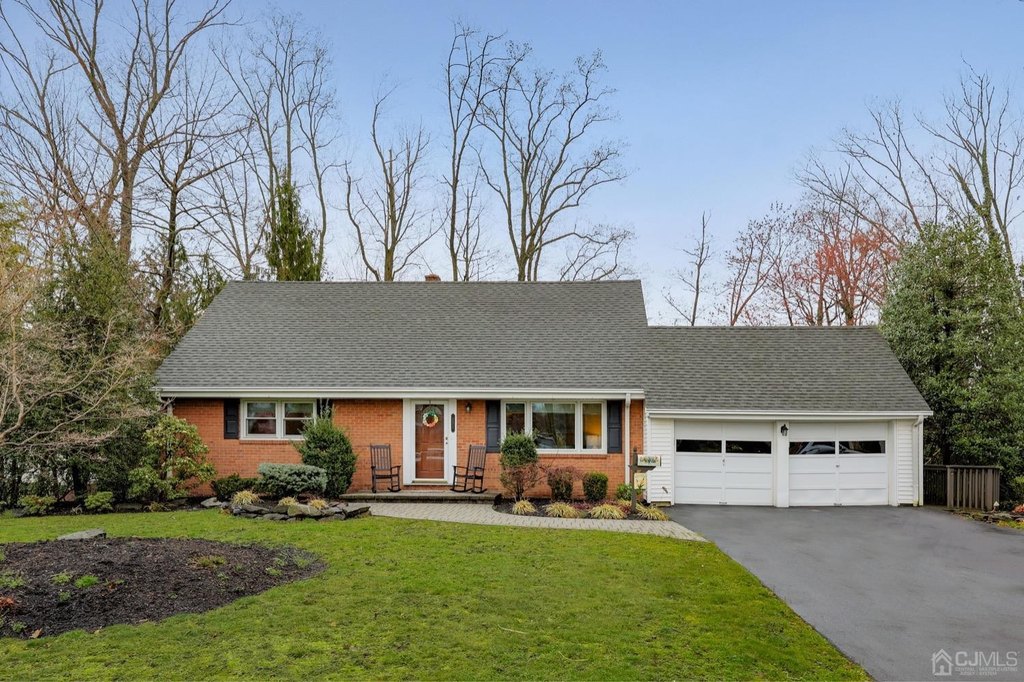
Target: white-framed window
x,y
559,426
276,419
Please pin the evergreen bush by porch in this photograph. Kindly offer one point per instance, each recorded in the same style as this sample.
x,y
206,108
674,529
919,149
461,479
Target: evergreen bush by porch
x,y
326,446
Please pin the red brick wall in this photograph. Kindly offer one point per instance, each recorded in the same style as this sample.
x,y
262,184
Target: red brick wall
x,y
472,430
380,421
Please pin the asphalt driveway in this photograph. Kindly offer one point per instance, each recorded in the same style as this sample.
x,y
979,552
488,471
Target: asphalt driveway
x,y
889,586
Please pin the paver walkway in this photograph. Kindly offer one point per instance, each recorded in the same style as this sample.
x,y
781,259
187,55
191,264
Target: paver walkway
x,y
484,515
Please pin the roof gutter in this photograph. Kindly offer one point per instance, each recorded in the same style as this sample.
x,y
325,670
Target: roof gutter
x,y
349,392
815,415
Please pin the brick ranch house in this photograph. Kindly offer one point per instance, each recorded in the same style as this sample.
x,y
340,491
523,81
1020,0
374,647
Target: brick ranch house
x,y
767,416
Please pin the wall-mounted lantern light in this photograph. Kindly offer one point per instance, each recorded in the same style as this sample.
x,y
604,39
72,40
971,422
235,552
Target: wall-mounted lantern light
x,y
469,407
784,430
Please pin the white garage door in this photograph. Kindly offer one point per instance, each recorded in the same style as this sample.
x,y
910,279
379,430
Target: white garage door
x,y
838,464
723,463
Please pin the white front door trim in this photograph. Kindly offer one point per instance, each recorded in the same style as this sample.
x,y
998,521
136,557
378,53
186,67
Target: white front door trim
x,y
451,424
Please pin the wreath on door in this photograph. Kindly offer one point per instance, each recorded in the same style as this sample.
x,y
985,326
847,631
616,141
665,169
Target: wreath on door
x,y
431,417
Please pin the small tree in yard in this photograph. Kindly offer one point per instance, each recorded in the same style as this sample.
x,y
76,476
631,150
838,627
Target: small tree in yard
x,y
326,446
953,317
175,462
519,468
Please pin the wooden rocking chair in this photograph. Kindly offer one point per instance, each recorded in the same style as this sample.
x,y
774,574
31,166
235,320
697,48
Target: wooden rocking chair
x,y
470,478
382,470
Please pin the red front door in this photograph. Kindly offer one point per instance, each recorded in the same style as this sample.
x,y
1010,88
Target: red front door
x,y
430,425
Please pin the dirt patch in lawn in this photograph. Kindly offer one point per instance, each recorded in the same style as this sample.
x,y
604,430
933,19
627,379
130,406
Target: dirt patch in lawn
x,y
47,588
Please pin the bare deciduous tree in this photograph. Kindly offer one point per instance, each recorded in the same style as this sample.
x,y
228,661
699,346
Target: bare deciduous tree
x,y
81,118
290,112
385,211
693,277
976,169
540,162
471,59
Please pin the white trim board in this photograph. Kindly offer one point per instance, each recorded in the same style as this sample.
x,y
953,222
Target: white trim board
x,y
397,393
733,415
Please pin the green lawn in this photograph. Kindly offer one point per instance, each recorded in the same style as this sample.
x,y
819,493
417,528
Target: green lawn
x,y
424,600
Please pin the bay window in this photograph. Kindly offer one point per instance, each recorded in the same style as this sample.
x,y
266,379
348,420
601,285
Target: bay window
x,y
277,419
559,425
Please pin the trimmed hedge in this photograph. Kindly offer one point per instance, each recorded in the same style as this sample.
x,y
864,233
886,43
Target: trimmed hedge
x,y
595,486
518,449
282,480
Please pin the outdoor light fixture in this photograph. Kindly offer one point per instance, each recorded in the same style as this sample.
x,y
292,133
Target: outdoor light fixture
x,y
469,407
784,430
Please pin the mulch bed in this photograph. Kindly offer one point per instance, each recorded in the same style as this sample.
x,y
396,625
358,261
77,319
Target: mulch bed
x,y
505,507
134,580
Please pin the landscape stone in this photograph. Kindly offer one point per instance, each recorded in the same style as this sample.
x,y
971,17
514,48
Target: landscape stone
x,y
275,517
90,534
353,512
299,510
254,509
210,503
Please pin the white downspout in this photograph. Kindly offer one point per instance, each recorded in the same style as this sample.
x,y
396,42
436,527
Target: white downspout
x,y
919,454
625,437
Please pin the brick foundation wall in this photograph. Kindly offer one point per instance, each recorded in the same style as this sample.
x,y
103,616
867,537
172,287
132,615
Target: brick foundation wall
x,y
380,421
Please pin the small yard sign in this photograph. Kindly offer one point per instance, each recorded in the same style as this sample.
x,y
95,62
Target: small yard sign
x,y
648,461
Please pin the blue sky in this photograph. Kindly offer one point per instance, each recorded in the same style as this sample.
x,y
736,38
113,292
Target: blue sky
x,y
719,102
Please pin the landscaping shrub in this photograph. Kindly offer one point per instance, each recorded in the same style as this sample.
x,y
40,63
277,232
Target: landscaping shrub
x,y
560,480
650,513
244,497
175,462
519,468
37,505
1017,487
287,501
226,487
279,480
524,508
326,446
318,503
518,449
607,511
517,480
100,502
595,486
623,490
561,510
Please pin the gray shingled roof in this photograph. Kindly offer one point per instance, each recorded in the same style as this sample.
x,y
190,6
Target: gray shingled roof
x,y
427,335
836,369
490,336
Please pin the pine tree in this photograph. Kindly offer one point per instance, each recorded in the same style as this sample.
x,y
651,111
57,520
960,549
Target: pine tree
x,y
291,250
953,318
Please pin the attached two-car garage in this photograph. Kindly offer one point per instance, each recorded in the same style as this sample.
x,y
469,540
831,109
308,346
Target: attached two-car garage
x,y
780,462
783,416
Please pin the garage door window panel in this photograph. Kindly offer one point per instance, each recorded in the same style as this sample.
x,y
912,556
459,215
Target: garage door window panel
x,y
814,447
699,446
862,447
748,447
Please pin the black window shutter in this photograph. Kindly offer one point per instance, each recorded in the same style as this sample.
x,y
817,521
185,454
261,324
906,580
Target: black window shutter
x,y
231,418
614,426
493,425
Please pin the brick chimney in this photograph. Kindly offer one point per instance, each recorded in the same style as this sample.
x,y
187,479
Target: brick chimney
x,y
432,278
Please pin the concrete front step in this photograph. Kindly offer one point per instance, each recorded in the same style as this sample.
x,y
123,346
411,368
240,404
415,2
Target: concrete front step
x,y
421,496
